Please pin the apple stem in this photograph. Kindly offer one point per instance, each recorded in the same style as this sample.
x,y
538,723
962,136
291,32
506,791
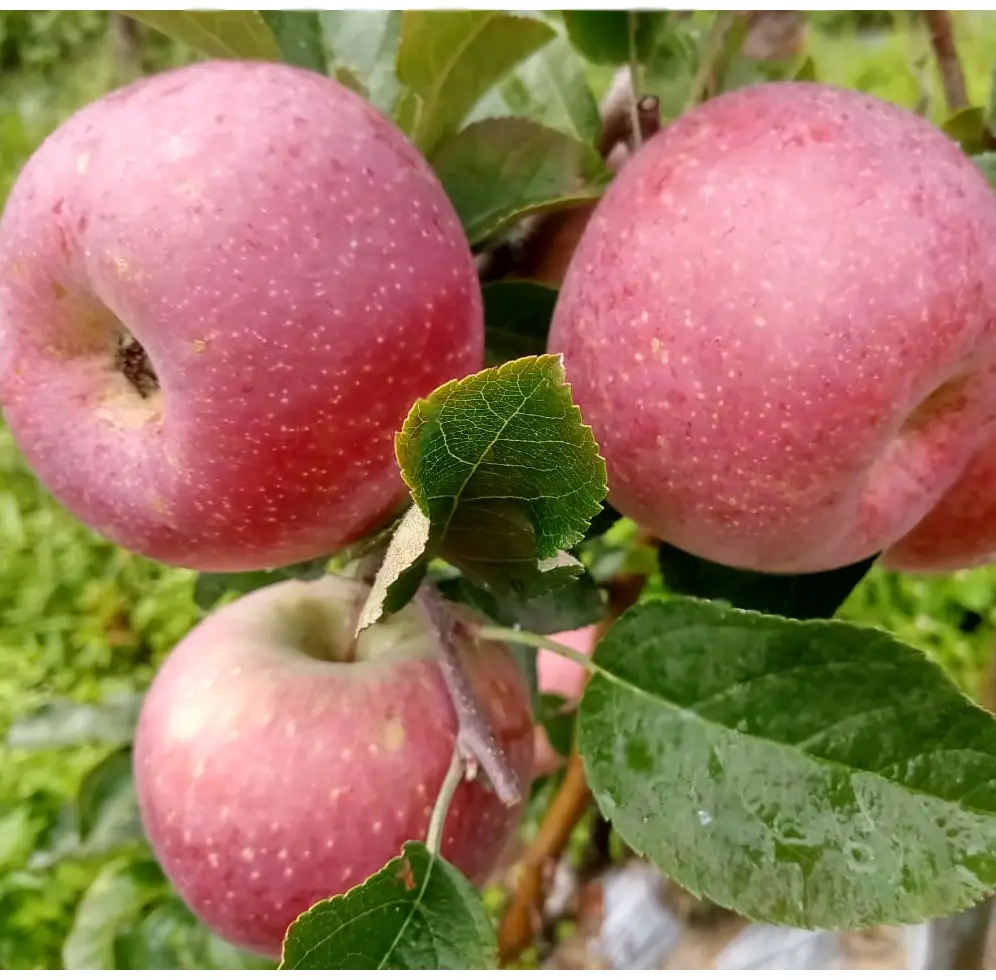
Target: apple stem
x,y
475,741
454,776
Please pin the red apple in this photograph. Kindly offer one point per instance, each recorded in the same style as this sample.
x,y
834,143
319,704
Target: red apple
x,y
558,675
781,325
960,532
272,774
293,277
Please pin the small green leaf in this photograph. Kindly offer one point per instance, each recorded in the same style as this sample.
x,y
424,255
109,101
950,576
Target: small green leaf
x,y
671,66
107,806
806,72
210,587
549,88
505,478
450,58
967,127
417,913
815,596
119,893
499,170
603,36
218,33
818,775
986,162
576,604
517,317
61,723
299,37
364,45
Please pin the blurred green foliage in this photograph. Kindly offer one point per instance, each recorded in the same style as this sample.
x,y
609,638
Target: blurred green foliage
x,y
84,621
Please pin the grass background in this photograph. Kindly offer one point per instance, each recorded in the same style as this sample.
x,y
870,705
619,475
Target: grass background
x,y
83,620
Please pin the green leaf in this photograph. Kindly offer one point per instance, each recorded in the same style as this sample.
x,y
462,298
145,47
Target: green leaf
x,y
299,37
670,67
505,478
218,33
967,127
558,719
815,596
819,774
450,58
210,587
107,805
364,45
61,723
576,604
119,893
986,162
549,88
517,317
603,36
499,170
806,72
417,913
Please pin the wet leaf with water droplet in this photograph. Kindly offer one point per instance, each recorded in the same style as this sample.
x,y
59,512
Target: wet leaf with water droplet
x,y
816,774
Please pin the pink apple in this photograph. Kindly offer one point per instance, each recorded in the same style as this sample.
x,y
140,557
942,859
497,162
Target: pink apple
x,y
272,774
781,325
293,277
558,675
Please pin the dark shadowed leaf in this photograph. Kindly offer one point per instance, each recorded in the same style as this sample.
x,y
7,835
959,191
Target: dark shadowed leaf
x,y
497,171
299,37
210,587
119,893
815,596
549,88
576,604
61,723
218,33
517,315
364,45
417,913
450,58
558,718
819,774
506,478
603,36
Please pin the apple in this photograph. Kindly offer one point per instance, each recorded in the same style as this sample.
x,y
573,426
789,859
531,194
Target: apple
x,y
222,288
558,675
960,532
272,772
780,323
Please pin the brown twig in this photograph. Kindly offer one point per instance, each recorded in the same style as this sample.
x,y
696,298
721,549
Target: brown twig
x,y
648,115
948,63
524,910
523,914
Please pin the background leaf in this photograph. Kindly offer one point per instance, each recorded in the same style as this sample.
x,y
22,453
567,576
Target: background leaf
x,y
417,913
450,58
499,170
550,88
218,33
61,723
603,36
986,162
299,37
967,127
818,774
364,45
107,805
517,317
816,596
117,896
